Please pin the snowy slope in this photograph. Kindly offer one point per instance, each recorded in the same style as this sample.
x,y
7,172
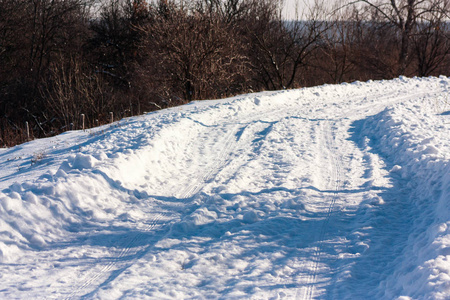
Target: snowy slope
x,y
331,192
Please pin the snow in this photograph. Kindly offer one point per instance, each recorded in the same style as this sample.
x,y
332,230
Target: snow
x,y
330,192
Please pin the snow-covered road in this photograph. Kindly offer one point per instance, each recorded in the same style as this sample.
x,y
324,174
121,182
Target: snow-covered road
x,y
331,192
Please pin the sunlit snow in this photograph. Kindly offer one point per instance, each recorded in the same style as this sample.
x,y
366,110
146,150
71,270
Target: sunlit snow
x,y
330,192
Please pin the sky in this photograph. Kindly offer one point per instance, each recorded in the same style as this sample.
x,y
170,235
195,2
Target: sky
x,y
293,6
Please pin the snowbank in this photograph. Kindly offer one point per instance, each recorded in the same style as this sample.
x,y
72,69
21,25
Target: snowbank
x,y
413,137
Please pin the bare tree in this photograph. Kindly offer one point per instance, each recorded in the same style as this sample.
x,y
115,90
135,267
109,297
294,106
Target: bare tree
x,y
52,26
281,48
432,48
405,15
334,57
195,55
431,42
374,49
32,35
116,38
228,11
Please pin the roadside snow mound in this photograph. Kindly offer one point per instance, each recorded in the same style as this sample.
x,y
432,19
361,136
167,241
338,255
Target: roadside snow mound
x,y
413,138
102,178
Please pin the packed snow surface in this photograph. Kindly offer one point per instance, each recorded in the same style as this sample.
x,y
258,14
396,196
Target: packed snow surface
x,y
330,192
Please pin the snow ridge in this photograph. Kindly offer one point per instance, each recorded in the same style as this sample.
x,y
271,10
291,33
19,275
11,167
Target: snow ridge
x,y
418,154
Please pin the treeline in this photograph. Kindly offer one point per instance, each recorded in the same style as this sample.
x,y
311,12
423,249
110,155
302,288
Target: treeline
x,y
63,58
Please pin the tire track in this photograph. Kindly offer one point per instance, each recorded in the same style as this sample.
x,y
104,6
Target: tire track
x,y
197,184
336,182
229,145
116,260
226,144
128,246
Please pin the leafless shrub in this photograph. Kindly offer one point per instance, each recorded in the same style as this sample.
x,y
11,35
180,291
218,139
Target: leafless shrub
x,y
192,55
73,89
